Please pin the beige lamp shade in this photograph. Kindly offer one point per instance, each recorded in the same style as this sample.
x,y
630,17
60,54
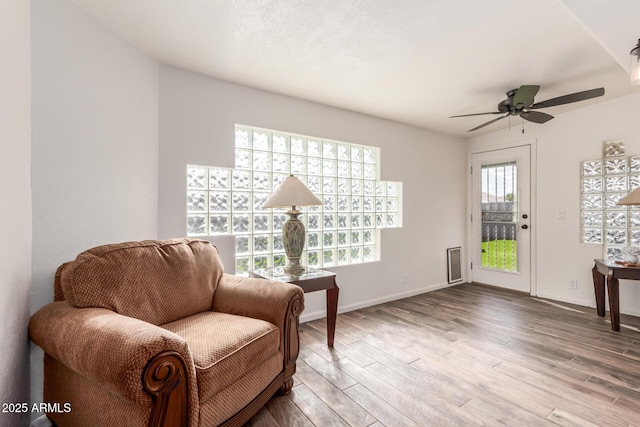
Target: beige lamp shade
x,y
292,192
632,199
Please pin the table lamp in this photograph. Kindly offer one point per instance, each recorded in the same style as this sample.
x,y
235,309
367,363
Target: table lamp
x,y
632,199
291,193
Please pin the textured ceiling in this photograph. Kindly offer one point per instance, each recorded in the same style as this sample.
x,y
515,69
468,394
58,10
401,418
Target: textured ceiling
x,y
415,61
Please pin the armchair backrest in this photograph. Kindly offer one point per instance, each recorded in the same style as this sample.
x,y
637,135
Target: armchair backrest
x,y
157,281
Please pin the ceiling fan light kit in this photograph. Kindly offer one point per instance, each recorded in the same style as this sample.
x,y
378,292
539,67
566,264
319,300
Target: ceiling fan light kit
x,y
634,71
520,102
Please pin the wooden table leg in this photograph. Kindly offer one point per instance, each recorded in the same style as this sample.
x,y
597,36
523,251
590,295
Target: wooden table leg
x,y
332,312
613,286
598,285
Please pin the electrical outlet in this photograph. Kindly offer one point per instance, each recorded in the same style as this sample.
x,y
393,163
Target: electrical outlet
x,y
405,278
573,284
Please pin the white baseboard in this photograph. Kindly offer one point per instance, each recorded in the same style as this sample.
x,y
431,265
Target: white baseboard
x,y
576,301
307,317
590,303
41,421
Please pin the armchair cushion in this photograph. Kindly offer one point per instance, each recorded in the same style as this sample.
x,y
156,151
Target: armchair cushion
x,y
154,281
224,347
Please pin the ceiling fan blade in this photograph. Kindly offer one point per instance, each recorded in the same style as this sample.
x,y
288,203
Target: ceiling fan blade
x,y
567,99
524,96
476,114
488,123
536,116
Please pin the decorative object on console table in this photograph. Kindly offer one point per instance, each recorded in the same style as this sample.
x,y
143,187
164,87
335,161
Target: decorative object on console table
x,y
630,255
291,193
310,281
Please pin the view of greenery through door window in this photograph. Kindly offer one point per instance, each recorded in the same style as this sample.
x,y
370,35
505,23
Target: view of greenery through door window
x,y
499,216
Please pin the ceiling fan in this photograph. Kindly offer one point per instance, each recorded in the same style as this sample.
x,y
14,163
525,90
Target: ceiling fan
x,y
519,102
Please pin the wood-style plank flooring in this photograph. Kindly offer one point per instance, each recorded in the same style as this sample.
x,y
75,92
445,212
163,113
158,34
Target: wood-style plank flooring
x,y
463,356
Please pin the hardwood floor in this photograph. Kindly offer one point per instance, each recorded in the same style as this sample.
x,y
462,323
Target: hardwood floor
x,y
461,356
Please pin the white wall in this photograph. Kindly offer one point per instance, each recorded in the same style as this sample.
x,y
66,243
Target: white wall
x,y
197,118
15,205
95,143
562,144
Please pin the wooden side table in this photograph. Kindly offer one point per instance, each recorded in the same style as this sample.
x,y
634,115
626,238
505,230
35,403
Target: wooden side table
x,y
311,280
612,272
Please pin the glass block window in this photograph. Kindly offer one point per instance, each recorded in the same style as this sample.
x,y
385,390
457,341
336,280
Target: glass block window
x,y
344,230
604,182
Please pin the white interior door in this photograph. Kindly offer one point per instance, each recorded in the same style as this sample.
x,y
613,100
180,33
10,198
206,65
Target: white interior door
x,y
501,218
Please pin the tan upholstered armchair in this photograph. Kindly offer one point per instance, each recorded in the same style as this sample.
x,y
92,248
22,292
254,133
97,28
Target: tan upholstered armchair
x,y
154,333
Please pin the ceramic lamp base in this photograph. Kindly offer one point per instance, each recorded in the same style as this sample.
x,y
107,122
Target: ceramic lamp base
x,y
293,267
293,236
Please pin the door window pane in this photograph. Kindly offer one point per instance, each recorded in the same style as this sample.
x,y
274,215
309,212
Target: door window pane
x,y
499,217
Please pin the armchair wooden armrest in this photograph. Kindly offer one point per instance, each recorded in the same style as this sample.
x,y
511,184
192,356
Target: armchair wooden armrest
x,y
142,362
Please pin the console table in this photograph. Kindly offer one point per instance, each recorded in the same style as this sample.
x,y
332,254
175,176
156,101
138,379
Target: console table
x,y
610,272
311,280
